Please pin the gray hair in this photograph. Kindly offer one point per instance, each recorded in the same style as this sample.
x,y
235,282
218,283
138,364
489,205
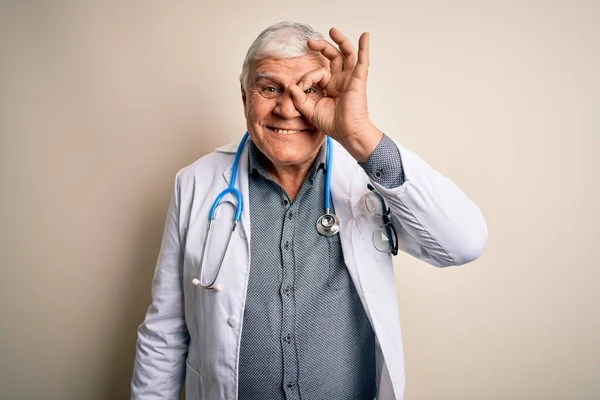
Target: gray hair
x,y
286,39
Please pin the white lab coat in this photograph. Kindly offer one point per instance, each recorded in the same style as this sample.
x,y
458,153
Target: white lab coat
x,y
193,334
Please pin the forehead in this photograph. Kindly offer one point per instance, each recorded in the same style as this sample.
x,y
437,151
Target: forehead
x,y
284,70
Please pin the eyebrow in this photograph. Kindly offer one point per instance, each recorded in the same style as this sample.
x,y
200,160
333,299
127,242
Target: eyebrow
x,y
264,75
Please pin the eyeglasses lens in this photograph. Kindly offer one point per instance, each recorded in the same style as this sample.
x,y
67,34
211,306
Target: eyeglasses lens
x,y
373,204
381,240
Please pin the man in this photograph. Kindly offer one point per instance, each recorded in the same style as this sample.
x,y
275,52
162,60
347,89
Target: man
x,y
297,311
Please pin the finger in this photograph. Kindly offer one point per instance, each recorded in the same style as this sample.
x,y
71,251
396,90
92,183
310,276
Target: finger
x,y
328,50
301,102
362,66
345,46
320,77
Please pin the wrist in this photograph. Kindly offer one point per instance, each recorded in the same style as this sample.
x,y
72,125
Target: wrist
x,y
363,142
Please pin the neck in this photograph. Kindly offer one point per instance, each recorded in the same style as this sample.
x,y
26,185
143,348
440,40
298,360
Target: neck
x,y
290,177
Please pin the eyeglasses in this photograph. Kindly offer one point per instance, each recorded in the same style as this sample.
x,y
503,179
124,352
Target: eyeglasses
x,y
385,238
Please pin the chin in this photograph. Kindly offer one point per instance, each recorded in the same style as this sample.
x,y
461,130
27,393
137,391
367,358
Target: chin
x,y
289,149
287,156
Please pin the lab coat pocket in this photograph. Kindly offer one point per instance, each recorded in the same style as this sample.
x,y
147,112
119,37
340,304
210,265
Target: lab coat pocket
x,y
193,383
338,278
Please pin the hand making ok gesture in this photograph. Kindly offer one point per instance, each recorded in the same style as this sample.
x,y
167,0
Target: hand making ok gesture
x,y
343,113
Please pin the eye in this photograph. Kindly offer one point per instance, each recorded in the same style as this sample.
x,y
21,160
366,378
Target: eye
x,y
310,90
270,89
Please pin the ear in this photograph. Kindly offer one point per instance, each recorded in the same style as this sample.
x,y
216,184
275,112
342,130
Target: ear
x,y
243,96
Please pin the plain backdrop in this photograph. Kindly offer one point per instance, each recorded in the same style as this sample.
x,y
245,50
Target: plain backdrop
x,y
101,103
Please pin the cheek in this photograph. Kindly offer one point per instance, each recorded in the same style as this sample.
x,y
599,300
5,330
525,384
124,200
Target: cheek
x,y
249,109
258,108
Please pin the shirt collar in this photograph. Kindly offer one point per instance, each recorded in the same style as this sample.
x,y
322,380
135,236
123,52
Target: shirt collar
x,y
256,161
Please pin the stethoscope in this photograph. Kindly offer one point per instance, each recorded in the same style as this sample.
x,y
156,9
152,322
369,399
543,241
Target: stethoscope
x,y
328,224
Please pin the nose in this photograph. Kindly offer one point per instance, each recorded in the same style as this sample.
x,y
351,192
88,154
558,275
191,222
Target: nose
x,y
285,107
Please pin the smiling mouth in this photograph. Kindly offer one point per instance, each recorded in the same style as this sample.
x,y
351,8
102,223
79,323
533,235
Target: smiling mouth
x,y
287,131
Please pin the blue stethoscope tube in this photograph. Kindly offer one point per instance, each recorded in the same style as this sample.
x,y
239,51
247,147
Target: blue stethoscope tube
x,y
327,225
231,189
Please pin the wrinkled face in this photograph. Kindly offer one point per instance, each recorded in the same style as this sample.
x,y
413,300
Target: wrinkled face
x,y
277,128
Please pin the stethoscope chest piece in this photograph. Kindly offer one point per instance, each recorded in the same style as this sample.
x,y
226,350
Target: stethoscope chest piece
x,y
328,224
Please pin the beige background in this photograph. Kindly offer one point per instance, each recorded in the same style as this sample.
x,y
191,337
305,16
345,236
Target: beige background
x,y
101,104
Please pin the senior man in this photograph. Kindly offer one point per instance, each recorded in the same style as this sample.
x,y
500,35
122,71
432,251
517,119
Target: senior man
x,y
297,300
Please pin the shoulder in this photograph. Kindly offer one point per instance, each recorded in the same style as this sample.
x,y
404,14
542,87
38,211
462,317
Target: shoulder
x,y
214,163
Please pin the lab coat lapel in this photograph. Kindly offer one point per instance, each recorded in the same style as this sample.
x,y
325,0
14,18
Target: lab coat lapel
x,y
341,191
345,195
373,278
344,198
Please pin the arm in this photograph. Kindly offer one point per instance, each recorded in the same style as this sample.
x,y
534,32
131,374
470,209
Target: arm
x,y
435,221
163,337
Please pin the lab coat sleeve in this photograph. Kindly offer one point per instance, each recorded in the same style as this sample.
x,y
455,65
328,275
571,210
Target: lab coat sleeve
x,y
435,221
163,338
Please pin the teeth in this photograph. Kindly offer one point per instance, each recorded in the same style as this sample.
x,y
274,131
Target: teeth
x,y
284,131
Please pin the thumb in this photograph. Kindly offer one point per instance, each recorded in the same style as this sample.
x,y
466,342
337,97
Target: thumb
x,y
301,102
